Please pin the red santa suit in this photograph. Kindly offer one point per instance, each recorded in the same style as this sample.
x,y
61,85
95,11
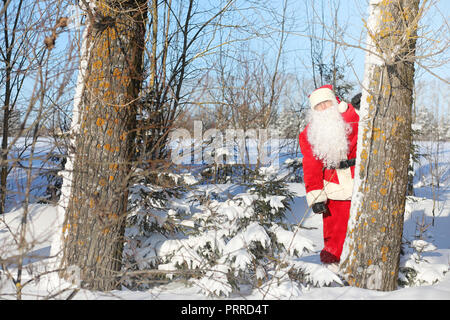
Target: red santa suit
x,y
332,186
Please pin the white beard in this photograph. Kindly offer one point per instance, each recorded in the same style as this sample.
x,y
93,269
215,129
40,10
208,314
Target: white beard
x,y
327,134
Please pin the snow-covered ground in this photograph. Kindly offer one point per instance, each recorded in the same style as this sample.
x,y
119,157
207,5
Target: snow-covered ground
x,y
41,230
17,183
421,221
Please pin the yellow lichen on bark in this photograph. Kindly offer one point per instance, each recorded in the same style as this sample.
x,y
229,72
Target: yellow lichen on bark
x,y
384,251
102,182
364,154
389,174
374,205
100,121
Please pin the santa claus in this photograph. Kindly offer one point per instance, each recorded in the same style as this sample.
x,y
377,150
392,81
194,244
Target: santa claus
x,y
328,145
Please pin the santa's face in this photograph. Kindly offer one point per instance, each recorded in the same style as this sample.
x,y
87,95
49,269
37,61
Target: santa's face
x,y
327,134
324,105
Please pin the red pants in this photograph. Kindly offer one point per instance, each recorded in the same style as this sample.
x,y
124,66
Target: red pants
x,y
334,230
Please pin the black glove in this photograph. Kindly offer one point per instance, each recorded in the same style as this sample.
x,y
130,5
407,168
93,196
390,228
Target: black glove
x,y
356,101
319,207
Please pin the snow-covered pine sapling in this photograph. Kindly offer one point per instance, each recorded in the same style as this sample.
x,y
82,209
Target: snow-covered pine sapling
x,y
148,202
294,168
153,218
239,238
273,197
416,269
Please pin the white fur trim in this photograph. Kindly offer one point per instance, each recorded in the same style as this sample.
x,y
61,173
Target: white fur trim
x,y
320,95
316,196
343,190
342,106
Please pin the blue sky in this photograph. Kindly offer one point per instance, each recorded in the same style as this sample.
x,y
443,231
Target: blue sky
x,y
296,55
350,17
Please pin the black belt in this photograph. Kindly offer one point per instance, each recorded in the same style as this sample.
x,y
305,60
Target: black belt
x,y
344,164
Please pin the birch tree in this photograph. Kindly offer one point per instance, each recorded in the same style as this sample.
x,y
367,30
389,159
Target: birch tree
x,y
105,116
370,258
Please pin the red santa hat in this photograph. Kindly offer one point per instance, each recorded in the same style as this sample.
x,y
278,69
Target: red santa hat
x,y
325,93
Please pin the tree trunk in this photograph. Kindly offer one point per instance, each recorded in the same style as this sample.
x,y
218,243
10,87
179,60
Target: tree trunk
x,y
370,258
95,218
6,109
5,136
